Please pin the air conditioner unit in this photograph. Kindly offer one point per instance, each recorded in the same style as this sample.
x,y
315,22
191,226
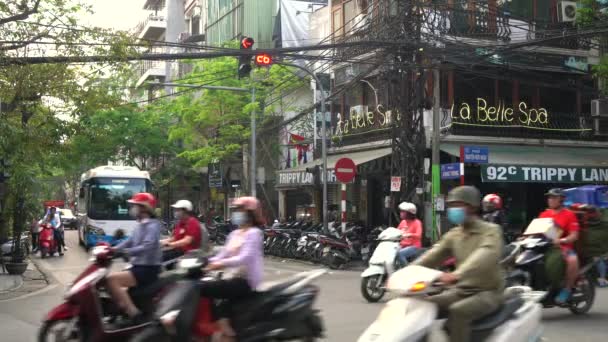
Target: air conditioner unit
x,y
600,126
566,11
599,107
184,36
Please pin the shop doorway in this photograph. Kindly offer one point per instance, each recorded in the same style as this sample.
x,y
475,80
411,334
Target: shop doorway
x,y
295,199
376,213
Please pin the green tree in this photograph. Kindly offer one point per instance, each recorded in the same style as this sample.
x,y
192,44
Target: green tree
x,y
593,14
213,124
40,102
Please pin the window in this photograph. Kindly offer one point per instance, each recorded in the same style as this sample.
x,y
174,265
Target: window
x,y
195,25
108,200
350,12
337,23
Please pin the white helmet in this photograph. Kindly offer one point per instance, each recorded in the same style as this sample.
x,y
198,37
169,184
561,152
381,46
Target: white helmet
x,y
183,204
409,207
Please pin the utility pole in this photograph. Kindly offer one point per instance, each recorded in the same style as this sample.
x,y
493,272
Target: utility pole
x,y
253,150
436,169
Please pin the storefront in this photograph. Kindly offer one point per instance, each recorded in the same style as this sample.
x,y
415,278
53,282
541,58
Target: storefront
x,y
301,191
521,174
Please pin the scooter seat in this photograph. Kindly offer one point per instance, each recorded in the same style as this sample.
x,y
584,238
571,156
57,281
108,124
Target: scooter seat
x,y
149,290
499,316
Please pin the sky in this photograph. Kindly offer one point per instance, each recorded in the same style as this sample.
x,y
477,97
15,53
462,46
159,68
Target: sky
x,y
116,14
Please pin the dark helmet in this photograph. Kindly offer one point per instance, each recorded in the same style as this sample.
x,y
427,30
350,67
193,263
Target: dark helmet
x,y
466,194
557,192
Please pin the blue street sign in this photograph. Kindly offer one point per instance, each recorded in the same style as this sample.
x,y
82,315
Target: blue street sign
x,y
475,154
450,171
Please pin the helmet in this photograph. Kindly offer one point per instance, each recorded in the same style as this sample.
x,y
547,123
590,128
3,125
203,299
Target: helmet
x,y
467,194
409,207
556,192
183,204
145,199
492,201
251,204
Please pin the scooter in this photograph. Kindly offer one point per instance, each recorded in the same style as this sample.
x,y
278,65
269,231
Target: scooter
x,y
46,241
411,317
282,312
89,313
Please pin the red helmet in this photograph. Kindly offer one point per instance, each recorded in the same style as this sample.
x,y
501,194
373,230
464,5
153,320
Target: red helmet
x,y
492,201
145,199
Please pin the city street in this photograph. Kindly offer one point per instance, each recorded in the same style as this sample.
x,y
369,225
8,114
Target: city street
x,y
345,312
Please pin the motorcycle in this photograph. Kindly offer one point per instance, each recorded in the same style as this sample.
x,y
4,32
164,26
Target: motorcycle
x,y
46,241
411,317
529,269
384,262
8,246
281,312
89,313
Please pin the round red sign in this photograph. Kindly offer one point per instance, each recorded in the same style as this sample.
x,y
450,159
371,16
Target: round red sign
x,y
345,170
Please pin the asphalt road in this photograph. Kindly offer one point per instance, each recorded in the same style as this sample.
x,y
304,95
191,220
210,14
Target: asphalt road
x,y
345,312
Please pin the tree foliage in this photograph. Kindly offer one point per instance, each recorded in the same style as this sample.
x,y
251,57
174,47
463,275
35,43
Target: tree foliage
x,y
593,14
214,124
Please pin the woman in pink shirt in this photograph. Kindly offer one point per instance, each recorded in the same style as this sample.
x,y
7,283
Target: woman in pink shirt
x,y
412,232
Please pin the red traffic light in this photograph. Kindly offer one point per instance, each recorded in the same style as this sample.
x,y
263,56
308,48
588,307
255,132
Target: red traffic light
x,y
263,59
247,43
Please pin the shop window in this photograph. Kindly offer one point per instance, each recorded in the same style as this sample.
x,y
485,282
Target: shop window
x,y
350,12
196,25
337,23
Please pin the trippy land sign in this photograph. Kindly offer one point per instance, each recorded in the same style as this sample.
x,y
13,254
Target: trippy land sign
x,y
543,174
481,112
286,178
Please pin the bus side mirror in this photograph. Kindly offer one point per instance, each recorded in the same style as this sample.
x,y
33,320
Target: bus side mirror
x,y
81,193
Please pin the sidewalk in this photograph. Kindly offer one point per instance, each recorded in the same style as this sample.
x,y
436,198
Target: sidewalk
x,y
32,280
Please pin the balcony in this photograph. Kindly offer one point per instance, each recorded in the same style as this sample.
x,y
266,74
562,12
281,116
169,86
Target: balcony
x,y
152,28
149,70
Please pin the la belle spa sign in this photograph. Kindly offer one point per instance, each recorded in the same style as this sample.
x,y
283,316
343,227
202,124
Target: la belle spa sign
x,y
501,115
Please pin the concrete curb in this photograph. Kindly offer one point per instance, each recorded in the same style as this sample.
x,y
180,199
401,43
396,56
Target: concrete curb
x,y
51,283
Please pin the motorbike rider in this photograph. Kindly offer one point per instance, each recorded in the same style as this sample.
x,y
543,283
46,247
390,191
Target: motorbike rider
x,y
411,227
492,210
143,249
53,219
186,233
242,260
566,220
477,247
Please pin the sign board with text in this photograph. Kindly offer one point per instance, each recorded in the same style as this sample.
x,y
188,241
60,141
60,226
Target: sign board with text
x,y
543,174
450,171
215,175
302,178
395,184
475,154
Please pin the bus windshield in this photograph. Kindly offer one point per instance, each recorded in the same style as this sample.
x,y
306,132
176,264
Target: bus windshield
x,y
109,197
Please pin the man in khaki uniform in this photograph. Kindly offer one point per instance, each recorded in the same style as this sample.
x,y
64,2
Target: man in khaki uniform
x,y
478,279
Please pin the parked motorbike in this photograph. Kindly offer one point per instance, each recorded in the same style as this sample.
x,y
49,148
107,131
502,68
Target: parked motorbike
x,y
411,317
282,312
8,246
529,268
89,313
46,241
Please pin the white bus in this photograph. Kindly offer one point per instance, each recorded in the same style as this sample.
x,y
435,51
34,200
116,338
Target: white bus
x,y
102,202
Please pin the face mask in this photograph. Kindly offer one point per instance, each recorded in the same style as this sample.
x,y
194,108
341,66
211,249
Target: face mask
x,y
134,211
178,215
239,218
457,215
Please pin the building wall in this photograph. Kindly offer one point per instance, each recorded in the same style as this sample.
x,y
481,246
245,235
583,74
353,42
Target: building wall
x,y
228,20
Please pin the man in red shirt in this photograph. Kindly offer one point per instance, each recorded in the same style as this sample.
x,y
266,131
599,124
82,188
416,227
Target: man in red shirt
x,y
186,233
566,220
412,232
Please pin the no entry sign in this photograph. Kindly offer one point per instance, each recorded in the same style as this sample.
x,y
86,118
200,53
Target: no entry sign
x,y
345,170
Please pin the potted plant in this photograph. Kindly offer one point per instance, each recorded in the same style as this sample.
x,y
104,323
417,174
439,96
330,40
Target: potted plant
x,y
17,264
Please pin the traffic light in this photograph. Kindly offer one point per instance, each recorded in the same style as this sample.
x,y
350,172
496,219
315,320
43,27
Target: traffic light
x,y
263,60
245,61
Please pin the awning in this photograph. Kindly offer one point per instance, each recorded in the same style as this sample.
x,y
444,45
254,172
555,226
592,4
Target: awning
x,y
538,155
298,176
358,157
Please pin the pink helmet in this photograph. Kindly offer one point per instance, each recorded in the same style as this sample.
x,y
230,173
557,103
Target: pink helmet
x,y
252,205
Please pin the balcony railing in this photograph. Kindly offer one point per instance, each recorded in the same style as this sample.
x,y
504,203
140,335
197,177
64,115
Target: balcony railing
x,y
152,17
151,68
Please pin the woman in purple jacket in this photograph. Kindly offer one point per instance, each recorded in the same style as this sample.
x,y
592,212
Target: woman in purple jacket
x,y
242,260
